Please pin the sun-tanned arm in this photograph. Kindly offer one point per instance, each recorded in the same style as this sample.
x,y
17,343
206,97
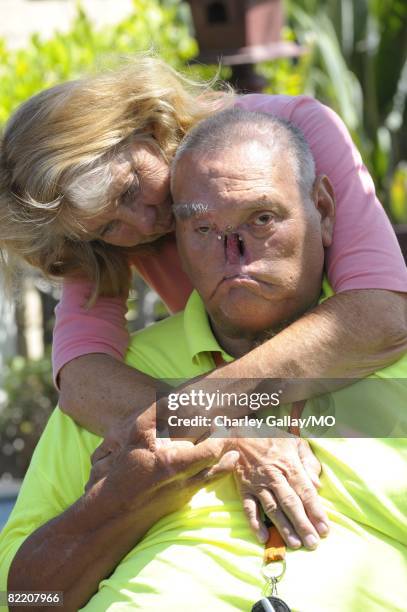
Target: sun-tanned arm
x,y
75,550
350,335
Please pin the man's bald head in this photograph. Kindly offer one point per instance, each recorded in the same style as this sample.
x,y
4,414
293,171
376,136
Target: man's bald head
x,y
234,126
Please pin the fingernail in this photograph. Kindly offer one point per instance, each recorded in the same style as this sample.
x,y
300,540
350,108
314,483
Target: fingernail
x,y
311,541
293,542
322,529
232,455
262,536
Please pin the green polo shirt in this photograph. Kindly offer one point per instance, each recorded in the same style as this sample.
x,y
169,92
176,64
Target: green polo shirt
x,y
204,555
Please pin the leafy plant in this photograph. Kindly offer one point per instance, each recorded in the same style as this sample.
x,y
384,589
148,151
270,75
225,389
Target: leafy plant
x,y
43,63
359,67
27,399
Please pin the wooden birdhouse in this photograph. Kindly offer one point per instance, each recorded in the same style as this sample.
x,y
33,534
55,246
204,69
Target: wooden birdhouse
x,y
250,29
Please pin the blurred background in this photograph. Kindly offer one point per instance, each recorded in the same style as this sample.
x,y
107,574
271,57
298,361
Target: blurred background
x,y
350,54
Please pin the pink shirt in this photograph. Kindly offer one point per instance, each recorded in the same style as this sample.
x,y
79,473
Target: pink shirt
x,y
364,254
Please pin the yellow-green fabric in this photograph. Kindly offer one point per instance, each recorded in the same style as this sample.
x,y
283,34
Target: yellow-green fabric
x,y
204,557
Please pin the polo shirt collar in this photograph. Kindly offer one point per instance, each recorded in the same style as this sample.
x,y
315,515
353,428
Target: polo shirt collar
x,y
198,332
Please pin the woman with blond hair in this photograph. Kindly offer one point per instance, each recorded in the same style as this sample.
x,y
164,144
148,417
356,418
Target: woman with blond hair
x,y
84,187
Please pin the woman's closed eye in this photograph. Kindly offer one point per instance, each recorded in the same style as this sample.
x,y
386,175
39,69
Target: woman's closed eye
x,y
110,228
127,197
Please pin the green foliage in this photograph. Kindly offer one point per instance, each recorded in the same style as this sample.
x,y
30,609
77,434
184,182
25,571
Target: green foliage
x,y
283,75
28,398
398,193
43,63
358,51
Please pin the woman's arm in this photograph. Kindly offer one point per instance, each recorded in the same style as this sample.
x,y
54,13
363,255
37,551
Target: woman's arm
x,y
349,335
100,393
96,388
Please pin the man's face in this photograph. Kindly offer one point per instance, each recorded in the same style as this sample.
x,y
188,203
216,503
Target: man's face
x,y
254,251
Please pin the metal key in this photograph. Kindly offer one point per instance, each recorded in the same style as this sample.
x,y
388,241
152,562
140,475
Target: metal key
x,y
270,604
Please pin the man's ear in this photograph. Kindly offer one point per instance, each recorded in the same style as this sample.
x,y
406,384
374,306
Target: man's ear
x,y
324,200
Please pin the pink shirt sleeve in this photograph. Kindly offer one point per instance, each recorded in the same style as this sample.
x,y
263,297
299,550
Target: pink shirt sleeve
x,y
79,331
102,328
365,253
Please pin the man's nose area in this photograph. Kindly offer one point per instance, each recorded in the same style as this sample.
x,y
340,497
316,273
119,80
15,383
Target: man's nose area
x,y
234,248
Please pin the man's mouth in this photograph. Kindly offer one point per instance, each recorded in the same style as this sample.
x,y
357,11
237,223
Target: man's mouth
x,y
238,276
241,279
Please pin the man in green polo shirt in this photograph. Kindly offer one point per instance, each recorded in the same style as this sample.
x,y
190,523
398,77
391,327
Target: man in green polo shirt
x,y
254,249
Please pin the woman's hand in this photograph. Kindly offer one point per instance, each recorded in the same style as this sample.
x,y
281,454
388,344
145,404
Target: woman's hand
x,y
281,476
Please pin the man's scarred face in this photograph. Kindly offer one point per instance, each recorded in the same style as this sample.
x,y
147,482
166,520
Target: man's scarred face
x,y
254,247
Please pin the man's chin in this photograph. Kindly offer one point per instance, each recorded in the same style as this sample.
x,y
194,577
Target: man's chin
x,y
246,321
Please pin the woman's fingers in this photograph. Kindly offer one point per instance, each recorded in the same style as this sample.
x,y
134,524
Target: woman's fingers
x,y
266,500
185,458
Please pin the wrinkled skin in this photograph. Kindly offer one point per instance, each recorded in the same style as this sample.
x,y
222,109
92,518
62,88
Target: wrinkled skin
x,y
139,200
266,269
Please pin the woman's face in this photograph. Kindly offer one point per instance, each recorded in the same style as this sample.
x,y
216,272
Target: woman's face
x,y
140,203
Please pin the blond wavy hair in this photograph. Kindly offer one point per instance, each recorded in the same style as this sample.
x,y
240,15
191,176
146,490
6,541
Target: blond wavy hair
x,y
74,130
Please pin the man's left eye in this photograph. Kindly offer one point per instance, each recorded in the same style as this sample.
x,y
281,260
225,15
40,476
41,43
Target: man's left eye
x,y
263,219
203,229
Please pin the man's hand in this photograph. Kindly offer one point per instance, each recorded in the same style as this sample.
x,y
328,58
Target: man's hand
x,y
281,476
157,476
141,481
278,474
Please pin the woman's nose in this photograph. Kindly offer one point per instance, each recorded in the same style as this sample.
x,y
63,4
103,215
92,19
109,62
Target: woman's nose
x,y
143,218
